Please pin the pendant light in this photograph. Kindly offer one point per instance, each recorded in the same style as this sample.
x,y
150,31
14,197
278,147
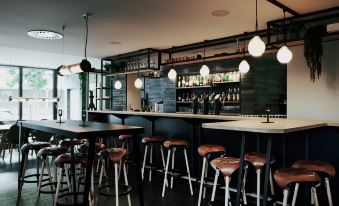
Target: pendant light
x,y
244,67
284,55
172,74
204,71
117,84
256,47
138,81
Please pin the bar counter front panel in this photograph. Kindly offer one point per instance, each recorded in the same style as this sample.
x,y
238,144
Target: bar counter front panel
x,y
322,145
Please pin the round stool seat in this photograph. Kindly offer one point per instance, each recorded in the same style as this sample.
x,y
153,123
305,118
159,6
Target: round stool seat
x,y
175,143
146,140
286,176
114,154
67,159
51,151
125,136
34,146
227,165
206,149
67,143
316,165
98,147
257,159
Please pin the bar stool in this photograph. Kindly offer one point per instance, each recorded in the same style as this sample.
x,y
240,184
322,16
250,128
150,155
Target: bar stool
x,y
25,149
43,155
227,166
117,156
205,151
61,162
171,146
258,160
324,169
285,177
150,142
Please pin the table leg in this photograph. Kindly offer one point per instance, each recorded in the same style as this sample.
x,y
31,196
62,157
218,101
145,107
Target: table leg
x,y
307,145
283,150
267,169
90,159
241,169
138,169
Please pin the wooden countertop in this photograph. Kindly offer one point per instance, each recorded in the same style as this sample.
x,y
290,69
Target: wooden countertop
x,y
173,115
279,126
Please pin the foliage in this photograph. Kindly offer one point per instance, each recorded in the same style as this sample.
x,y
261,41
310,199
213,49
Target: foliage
x,y
34,79
313,49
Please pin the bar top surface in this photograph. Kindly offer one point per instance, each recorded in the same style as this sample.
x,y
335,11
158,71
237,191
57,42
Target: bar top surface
x,y
278,126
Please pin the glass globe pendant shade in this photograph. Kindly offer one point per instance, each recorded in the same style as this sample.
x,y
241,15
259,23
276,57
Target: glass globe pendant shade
x,y
172,74
284,55
138,83
204,71
256,47
244,67
117,84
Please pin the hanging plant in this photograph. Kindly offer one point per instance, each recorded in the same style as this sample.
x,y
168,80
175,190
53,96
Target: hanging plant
x,y
313,49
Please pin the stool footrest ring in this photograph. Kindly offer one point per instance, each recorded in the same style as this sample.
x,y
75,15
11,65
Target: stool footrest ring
x,y
127,190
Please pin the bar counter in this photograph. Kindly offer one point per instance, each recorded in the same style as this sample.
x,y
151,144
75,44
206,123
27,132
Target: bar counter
x,y
318,142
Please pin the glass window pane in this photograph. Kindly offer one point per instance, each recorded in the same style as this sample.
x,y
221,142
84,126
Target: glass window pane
x,y
9,86
37,83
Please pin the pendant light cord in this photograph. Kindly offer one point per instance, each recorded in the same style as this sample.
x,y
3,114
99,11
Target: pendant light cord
x,y
256,15
244,47
63,44
204,49
86,34
284,29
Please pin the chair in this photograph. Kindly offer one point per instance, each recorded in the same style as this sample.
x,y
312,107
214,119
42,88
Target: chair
x,y
11,139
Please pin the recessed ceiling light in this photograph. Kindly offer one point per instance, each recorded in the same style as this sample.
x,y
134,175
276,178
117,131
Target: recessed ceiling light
x,y
115,42
44,34
220,13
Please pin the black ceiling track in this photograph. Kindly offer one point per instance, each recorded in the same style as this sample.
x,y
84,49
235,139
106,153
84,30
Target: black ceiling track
x,y
284,7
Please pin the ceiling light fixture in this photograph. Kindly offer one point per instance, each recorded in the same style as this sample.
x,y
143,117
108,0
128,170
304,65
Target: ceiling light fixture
x,y
244,67
256,47
30,99
284,54
44,34
172,74
117,84
84,65
138,83
220,13
204,70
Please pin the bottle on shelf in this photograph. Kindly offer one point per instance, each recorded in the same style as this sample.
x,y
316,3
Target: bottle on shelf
x,y
179,81
234,97
179,97
183,81
238,94
190,82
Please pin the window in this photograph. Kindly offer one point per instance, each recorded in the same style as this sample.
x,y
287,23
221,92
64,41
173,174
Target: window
x,y
9,86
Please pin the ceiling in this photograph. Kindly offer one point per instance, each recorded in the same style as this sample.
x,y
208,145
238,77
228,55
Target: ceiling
x,y
136,24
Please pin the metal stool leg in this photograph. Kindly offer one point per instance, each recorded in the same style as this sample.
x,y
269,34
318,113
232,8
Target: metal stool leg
x,y
163,160
295,194
202,180
40,180
166,171
285,197
23,175
258,186
172,166
328,190
60,179
144,162
101,172
205,176
215,185
227,182
151,161
244,198
126,183
188,172
116,182
315,196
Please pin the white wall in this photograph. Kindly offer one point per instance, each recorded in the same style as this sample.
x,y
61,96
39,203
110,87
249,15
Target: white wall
x,y
318,100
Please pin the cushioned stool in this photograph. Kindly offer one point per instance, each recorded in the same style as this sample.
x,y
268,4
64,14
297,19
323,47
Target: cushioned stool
x,y
25,149
151,142
61,162
258,160
205,151
43,155
324,169
227,166
172,145
285,177
117,156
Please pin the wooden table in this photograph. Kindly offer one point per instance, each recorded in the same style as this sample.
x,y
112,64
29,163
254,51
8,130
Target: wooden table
x,y
279,126
91,132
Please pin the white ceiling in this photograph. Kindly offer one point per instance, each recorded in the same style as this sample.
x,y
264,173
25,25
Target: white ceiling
x,y
136,24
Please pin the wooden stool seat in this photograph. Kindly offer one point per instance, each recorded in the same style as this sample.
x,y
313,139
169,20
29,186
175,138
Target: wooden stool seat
x,y
175,143
51,151
317,166
257,159
286,176
146,140
206,149
67,143
124,137
226,165
98,147
66,158
114,154
36,146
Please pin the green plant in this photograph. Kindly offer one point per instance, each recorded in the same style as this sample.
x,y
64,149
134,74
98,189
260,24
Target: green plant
x,y
313,49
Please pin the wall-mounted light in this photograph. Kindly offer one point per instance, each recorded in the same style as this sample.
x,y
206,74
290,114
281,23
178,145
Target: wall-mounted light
x,y
30,99
84,66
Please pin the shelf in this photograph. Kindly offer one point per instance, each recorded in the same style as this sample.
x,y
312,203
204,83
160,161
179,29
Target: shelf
x,y
132,72
105,98
234,82
185,102
227,102
103,88
197,87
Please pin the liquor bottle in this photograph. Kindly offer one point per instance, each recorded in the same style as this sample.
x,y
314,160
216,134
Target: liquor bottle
x,y
238,94
190,81
183,97
187,81
187,97
229,95
179,81
234,95
179,97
